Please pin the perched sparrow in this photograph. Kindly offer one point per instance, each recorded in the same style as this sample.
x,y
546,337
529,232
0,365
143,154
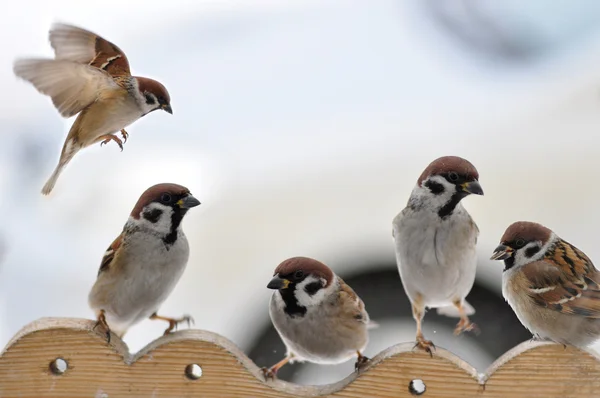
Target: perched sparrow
x,y
90,76
435,242
142,266
552,286
318,316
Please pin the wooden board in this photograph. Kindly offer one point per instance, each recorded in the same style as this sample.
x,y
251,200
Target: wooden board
x,y
98,369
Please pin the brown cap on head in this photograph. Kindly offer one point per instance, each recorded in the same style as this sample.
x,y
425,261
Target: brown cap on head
x,y
447,164
528,231
159,91
154,87
154,193
308,265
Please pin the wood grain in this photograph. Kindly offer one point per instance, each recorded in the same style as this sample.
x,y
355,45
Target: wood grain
x,y
98,369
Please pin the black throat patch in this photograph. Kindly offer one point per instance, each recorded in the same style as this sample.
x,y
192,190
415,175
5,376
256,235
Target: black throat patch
x,y
292,307
449,207
176,218
509,263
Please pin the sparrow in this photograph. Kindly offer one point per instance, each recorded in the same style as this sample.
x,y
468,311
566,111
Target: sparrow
x,y
90,76
435,239
552,286
317,315
144,263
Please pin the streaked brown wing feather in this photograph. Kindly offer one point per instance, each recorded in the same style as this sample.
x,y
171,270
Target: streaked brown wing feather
x,y
110,254
351,303
565,281
79,45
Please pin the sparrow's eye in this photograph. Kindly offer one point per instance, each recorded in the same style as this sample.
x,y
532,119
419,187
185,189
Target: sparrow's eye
x,y
520,242
298,274
453,176
166,198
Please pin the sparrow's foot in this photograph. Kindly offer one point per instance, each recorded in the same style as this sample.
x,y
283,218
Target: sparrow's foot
x,y
361,362
173,322
111,137
125,135
465,325
269,373
425,345
102,321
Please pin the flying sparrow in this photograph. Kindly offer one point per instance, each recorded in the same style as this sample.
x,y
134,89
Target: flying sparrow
x,y
435,239
90,76
551,285
318,316
142,266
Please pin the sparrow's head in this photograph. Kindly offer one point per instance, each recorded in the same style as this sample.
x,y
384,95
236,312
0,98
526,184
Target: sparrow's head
x,y
303,281
153,95
523,242
446,181
162,207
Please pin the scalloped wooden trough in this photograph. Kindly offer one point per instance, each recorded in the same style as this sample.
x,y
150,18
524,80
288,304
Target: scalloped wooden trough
x,y
63,357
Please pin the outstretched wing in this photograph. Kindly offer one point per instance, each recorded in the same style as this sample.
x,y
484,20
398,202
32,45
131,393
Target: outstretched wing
x,y
71,86
75,44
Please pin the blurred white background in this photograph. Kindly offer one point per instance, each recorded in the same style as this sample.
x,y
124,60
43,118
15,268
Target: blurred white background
x,y
302,127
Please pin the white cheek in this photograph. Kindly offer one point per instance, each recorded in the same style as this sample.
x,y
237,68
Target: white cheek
x,y
163,225
147,107
522,259
437,201
306,300
141,100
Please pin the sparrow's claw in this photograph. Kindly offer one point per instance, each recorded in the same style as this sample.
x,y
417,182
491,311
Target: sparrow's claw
x,y
111,137
465,325
173,322
187,319
269,373
125,135
425,345
102,321
361,362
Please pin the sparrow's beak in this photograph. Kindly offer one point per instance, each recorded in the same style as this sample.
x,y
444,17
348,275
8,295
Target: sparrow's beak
x,y
472,187
188,202
167,108
278,283
502,252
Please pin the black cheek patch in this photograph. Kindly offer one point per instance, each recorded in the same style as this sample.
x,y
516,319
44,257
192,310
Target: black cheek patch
x,y
149,99
153,215
312,288
435,187
530,252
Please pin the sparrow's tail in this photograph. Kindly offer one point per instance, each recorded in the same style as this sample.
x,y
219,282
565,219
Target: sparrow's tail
x,y
452,311
69,150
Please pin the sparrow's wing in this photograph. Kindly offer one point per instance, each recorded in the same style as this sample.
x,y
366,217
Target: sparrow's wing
x,y
75,44
351,303
110,254
565,281
71,86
